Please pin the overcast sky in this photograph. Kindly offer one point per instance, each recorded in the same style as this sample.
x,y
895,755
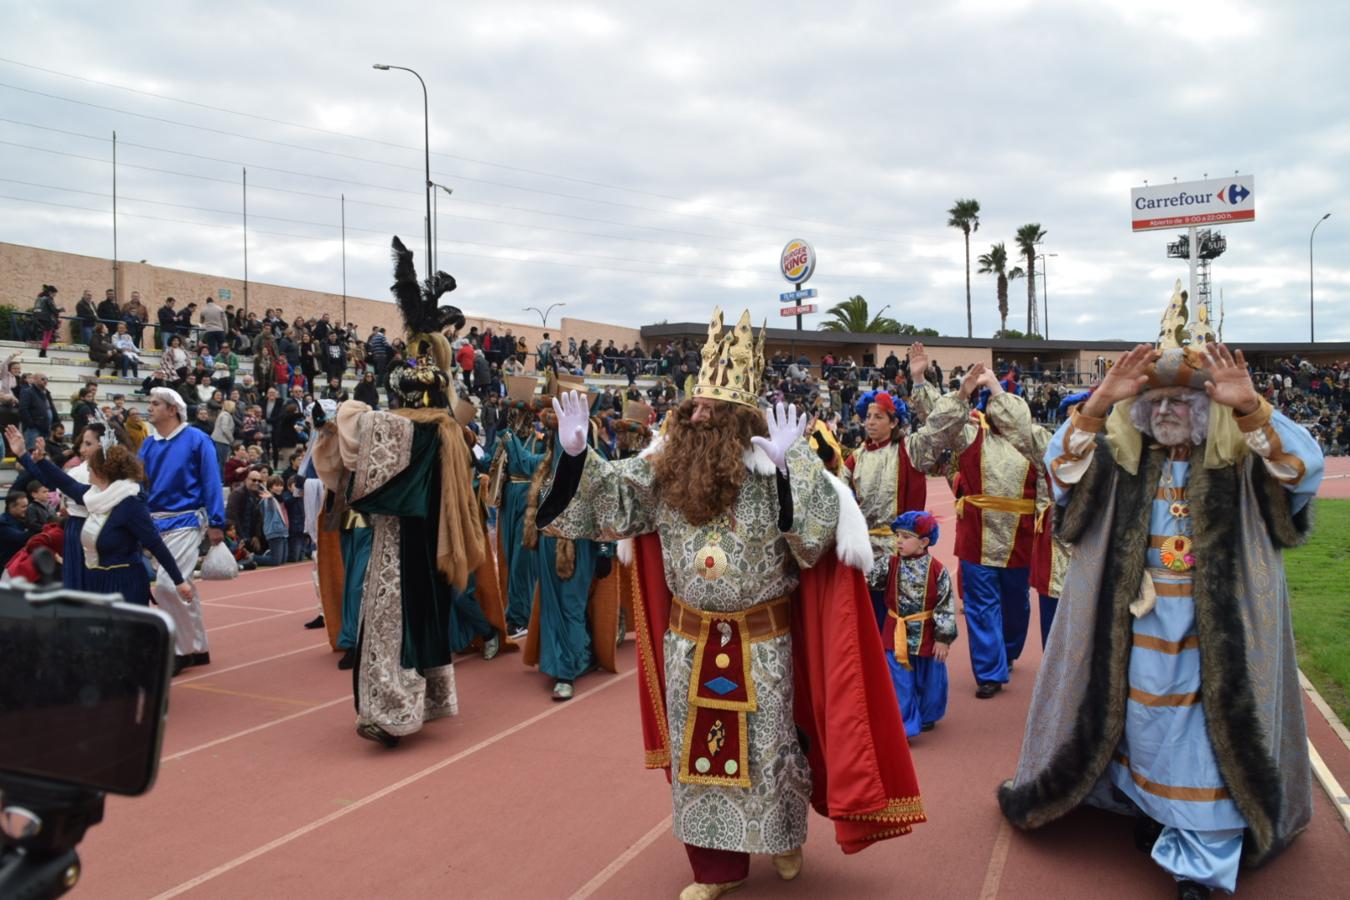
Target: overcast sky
x,y
642,162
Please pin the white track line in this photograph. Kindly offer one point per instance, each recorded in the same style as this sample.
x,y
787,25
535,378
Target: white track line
x,y
275,587
998,858
252,663
623,859
386,791
275,615
345,698
250,608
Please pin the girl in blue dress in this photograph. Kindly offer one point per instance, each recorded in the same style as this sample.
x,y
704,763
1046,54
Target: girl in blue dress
x,y
72,554
117,527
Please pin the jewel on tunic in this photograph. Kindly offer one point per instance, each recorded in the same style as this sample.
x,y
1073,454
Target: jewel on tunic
x,y
722,660
1176,553
730,767
702,764
711,562
724,629
721,686
717,737
1180,510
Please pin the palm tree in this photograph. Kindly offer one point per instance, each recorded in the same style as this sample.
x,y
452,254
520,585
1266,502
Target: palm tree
x,y
1028,236
965,215
995,262
852,315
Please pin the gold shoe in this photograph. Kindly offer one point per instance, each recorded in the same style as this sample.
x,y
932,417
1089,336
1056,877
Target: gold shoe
x,y
700,891
789,865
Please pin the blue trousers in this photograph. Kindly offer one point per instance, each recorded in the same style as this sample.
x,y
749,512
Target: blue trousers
x,y
921,691
998,611
1048,607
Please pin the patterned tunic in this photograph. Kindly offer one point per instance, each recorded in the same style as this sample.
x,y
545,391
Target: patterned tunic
x,y
616,500
912,598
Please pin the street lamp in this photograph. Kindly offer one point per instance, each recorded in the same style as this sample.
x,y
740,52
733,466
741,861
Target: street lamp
x,y
436,215
1045,291
1312,331
426,133
543,313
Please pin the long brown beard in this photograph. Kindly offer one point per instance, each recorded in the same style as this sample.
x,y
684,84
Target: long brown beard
x,y
701,465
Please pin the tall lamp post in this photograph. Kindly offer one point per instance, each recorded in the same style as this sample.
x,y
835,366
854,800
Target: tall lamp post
x,y
1312,330
543,313
1045,292
426,133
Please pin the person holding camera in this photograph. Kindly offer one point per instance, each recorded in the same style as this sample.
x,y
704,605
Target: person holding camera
x,y
117,527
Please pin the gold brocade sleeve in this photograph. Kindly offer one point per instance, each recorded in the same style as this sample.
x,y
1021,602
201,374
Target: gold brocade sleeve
x,y
815,506
1011,416
948,428
614,500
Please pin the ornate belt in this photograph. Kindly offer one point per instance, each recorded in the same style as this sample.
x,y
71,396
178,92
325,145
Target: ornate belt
x,y
901,650
1023,506
716,744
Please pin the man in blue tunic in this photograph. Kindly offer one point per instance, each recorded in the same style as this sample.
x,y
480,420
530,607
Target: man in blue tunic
x,y
182,478
1184,709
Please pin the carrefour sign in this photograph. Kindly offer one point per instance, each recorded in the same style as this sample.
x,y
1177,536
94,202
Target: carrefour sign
x,y
1208,202
798,262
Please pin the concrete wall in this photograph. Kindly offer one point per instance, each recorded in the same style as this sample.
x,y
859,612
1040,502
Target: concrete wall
x,y
23,271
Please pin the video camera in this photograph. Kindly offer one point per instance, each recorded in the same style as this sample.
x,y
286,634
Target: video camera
x,y
84,689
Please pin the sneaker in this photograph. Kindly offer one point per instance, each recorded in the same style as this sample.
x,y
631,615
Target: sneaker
x,y
316,622
517,632
348,660
562,691
492,646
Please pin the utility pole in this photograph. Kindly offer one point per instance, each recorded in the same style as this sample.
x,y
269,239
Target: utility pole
x,y
245,243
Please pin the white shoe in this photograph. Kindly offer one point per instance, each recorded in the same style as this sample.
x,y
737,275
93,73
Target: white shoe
x,y
789,865
700,891
492,646
562,691
519,633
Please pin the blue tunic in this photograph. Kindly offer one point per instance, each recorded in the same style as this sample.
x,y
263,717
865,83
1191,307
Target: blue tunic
x,y
127,530
181,476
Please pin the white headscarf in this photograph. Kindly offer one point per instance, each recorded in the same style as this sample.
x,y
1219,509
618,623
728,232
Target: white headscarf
x,y
170,396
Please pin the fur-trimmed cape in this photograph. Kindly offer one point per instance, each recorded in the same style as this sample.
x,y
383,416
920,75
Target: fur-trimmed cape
x,y
1249,678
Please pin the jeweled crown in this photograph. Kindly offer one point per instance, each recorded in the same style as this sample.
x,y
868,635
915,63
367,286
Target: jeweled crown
x,y
733,362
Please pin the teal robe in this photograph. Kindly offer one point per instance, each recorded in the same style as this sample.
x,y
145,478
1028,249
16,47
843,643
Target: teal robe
x,y
521,564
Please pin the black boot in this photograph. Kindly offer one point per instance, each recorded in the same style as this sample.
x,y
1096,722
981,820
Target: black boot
x,y
348,660
1190,890
1146,833
181,662
988,689
316,622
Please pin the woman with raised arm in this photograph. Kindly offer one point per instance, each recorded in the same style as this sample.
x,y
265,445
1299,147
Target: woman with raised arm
x,y
118,525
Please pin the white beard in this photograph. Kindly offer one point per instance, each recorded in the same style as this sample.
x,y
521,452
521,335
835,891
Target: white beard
x,y
1171,434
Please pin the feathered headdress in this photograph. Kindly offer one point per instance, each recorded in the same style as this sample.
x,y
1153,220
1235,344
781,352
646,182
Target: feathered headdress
x,y
426,381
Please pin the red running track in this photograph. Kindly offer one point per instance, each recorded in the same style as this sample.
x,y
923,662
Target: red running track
x,y
265,791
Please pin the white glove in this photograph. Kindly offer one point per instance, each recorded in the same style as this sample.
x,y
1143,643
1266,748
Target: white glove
x,y
785,427
573,422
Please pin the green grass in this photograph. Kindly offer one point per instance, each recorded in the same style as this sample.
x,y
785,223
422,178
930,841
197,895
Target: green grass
x,y
1318,574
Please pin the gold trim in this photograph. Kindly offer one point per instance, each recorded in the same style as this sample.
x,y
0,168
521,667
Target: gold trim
x,y
1170,493
1256,419
742,776
1173,792
897,809
751,702
655,759
1172,588
108,568
1083,422
1280,457
1149,642
1164,700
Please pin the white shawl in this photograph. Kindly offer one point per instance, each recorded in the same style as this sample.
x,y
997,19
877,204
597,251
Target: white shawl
x,y
100,504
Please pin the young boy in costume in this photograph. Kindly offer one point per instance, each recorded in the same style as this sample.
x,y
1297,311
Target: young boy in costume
x,y
923,624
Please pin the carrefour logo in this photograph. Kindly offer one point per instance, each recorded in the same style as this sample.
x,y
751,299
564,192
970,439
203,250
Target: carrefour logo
x,y
798,261
1235,192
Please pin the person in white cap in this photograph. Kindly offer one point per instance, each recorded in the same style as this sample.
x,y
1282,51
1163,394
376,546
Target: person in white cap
x,y
182,480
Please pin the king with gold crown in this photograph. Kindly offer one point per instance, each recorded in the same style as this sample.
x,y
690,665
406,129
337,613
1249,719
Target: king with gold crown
x,y
753,622
1169,690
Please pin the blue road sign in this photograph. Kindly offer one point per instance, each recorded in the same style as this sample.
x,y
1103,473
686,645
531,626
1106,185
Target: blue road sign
x,y
797,296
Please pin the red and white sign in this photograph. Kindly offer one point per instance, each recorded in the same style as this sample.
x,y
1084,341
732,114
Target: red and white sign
x,y
1209,202
797,310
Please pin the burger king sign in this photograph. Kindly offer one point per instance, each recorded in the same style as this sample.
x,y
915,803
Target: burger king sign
x,y
798,262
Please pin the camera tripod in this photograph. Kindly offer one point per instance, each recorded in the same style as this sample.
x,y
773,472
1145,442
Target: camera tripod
x,y
41,823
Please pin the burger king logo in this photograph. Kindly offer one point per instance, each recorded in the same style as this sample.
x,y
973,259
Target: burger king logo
x,y
798,262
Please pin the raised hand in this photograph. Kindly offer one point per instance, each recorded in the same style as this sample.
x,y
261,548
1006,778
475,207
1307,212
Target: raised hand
x,y
918,362
572,421
785,428
971,381
39,449
1123,380
1232,384
989,381
14,439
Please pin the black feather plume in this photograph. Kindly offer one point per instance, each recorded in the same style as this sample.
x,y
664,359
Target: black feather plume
x,y
417,301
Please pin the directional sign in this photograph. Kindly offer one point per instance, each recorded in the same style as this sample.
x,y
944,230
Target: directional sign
x,y
797,296
797,310
224,294
1231,199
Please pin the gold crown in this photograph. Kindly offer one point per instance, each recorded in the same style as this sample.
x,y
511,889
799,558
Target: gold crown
x,y
1182,363
733,363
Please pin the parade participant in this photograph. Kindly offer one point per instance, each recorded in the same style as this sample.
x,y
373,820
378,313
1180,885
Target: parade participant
x,y
923,623
824,444
117,527
1169,690
182,482
72,552
478,613
738,526
566,632
411,481
995,489
517,457
1050,554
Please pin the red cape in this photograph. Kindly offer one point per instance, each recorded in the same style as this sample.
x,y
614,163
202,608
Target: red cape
x,y
862,776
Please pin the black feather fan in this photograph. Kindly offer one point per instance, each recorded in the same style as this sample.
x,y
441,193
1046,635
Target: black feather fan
x,y
417,300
